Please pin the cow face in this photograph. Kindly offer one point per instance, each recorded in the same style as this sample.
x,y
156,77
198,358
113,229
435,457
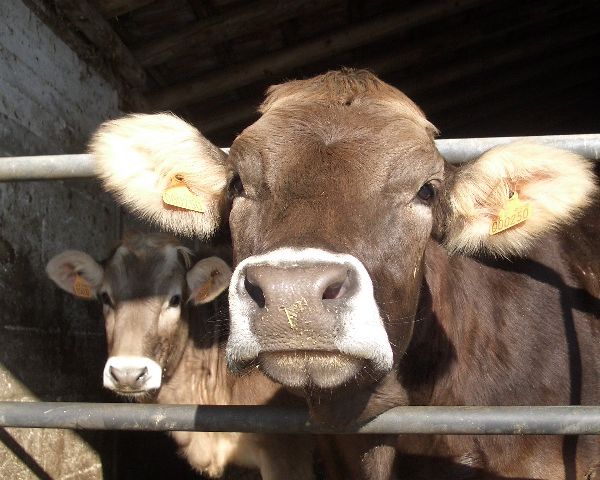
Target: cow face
x,y
334,194
326,210
146,289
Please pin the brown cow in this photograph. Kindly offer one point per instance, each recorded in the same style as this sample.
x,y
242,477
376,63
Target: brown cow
x,y
164,347
367,274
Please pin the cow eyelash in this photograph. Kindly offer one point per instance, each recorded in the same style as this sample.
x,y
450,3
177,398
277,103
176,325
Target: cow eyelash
x,y
236,187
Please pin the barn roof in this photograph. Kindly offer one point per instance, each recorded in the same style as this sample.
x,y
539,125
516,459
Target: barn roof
x,y
476,67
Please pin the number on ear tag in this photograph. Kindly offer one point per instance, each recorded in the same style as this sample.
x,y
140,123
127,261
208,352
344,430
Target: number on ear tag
x,y
513,213
205,290
179,195
81,288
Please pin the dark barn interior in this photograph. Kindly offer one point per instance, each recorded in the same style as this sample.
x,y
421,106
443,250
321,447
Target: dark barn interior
x,y
477,68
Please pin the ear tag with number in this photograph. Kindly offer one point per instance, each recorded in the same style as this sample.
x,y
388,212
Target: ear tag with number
x,y
514,212
179,195
81,288
205,290
207,287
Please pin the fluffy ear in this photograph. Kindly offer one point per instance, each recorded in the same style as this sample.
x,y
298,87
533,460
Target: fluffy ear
x,y
557,185
139,156
76,273
207,279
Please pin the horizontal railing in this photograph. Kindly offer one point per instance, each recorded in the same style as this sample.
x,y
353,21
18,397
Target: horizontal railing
x,y
536,420
513,420
56,167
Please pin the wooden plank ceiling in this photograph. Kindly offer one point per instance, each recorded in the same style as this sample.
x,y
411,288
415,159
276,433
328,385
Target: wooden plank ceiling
x,y
476,67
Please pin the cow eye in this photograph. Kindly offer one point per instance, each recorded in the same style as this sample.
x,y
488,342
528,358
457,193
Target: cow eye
x,y
426,192
106,300
236,187
175,301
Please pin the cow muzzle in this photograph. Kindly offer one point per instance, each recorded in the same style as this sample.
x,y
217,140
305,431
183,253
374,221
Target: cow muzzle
x,y
307,316
132,376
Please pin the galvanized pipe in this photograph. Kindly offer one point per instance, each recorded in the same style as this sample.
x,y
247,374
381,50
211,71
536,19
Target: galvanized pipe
x,y
46,167
459,150
540,420
56,167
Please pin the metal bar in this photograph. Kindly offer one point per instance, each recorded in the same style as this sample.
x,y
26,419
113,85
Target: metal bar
x,y
464,149
55,167
539,420
46,167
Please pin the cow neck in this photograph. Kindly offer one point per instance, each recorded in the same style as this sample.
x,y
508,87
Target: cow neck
x,y
447,319
201,375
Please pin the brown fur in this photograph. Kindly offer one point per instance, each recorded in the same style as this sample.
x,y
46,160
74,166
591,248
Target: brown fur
x,y
140,276
476,338
336,162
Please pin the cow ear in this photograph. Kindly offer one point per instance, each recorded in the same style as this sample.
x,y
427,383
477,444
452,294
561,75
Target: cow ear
x,y
76,273
142,158
546,186
207,279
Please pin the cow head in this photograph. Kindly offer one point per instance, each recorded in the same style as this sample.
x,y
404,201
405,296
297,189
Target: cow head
x,y
146,288
332,197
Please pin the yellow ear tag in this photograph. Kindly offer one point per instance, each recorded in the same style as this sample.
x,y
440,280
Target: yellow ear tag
x,y
204,290
514,212
179,195
81,288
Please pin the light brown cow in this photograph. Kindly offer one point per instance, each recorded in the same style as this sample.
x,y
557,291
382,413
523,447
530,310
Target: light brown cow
x,y
371,273
165,347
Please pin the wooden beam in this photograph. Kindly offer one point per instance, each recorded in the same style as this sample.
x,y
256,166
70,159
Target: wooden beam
x,y
280,62
438,47
202,8
528,108
97,30
483,90
213,30
234,114
535,45
114,8
231,113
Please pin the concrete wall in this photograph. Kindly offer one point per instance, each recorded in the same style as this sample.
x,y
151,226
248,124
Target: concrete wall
x,y
51,346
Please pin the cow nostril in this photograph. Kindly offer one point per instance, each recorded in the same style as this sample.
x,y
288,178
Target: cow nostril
x,y
332,291
113,373
255,293
336,290
142,374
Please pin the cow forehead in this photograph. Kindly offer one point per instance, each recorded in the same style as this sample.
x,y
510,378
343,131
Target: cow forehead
x,y
306,147
139,273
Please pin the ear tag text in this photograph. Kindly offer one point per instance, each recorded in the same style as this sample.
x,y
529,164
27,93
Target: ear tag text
x,y
205,290
207,287
513,212
179,195
81,288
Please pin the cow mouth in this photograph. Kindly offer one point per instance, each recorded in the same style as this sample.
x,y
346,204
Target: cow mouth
x,y
310,368
134,393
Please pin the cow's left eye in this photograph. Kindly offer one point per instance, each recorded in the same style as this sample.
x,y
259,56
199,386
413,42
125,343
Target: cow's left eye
x,y
175,301
236,187
106,300
426,192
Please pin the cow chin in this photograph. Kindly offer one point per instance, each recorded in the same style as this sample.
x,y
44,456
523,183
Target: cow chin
x,y
310,369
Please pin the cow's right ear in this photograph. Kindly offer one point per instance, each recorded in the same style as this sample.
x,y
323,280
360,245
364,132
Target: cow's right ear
x,y
514,194
76,273
208,279
142,158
